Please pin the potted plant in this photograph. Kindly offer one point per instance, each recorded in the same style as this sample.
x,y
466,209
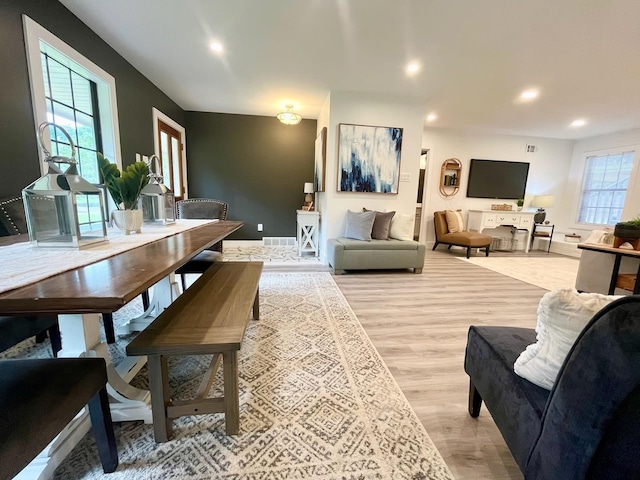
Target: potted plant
x,y
628,230
125,188
520,203
627,234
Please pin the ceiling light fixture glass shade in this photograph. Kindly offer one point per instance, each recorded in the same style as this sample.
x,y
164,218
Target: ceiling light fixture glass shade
x,y
289,117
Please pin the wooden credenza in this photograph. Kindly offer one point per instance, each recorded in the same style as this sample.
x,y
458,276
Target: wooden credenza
x,y
480,220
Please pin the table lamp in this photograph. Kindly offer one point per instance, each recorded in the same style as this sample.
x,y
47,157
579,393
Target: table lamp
x,y
308,198
541,202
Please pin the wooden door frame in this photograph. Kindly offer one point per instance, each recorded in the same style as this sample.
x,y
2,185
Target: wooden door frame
x,y
158,115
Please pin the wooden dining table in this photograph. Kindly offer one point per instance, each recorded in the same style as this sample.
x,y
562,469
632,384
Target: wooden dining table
x,y
80,295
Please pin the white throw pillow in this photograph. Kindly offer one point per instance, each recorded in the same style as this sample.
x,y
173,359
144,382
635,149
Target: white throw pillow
x,y
402,226
562,315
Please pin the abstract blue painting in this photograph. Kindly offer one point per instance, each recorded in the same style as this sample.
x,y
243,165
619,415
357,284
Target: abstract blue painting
x,y
368,158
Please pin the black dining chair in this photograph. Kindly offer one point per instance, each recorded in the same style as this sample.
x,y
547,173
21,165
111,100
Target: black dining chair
x,y
201,208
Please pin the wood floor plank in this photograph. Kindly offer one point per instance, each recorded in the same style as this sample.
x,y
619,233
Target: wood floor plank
x,y
419,324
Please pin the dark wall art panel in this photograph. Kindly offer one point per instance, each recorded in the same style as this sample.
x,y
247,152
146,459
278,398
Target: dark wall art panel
x,y
368,158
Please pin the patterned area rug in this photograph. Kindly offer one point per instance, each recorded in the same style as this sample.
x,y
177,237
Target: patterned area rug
x,y
316,402
270,255
547,273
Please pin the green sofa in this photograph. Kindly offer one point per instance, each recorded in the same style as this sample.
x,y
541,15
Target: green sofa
x,y
348,254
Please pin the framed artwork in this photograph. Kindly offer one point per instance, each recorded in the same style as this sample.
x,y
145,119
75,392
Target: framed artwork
x,y
320,160
368,158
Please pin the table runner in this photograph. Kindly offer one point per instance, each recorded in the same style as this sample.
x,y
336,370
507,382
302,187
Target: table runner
x,y
22,263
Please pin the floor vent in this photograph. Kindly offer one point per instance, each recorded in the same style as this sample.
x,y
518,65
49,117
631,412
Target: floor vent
x,y
278,241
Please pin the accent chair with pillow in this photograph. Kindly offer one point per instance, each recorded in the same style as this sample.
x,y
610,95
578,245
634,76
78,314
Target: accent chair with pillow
x,y
450,230
376,240
586,425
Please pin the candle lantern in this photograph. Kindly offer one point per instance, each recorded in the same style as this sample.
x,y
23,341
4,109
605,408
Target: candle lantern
x,y
157,201
62,208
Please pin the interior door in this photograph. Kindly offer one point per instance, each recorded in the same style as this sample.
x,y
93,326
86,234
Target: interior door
x,y
172,157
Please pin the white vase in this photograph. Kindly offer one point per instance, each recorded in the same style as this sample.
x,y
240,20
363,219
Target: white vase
x,y
127,220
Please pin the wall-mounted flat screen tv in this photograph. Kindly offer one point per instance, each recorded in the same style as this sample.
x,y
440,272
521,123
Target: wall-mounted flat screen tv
x,y
497,179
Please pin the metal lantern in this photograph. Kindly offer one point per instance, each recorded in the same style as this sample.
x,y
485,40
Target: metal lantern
x,y
62,208
157,201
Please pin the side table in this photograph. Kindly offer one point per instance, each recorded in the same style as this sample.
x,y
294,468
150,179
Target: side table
x,y
308,223
545,233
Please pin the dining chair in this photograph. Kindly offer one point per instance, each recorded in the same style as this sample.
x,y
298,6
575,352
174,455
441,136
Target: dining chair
x,y
201,208
16,328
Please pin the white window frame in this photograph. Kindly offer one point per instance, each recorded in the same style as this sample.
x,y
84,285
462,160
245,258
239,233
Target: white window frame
x,y
158,115
34,33
631,207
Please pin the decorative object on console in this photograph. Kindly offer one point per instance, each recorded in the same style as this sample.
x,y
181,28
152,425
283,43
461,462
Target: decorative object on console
x,y
450,177
308,198
320,160
627,232
289,117
520,203
502,207
62,208
369,158
157,201
542,202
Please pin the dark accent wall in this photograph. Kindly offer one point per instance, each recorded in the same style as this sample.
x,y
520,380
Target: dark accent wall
x,y
136,95
256,164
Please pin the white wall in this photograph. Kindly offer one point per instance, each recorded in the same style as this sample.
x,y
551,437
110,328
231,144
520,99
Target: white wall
x,y
363,109
628,139
548,171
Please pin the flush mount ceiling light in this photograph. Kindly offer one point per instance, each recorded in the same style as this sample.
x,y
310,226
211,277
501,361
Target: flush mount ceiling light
x,y
216,47
529,94
413,68
431,117
289,117
578,123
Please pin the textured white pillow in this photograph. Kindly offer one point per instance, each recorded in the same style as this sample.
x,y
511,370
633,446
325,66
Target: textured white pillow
x,y
562,315
402,226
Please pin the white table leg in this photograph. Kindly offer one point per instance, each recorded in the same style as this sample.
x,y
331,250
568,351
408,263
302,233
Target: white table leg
x,y
164,292
81,338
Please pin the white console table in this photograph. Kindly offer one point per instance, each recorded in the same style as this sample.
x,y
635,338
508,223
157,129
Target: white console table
x,y
308,223
480,220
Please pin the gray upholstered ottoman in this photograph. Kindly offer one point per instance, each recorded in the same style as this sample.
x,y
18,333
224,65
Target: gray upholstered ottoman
x,y
348,254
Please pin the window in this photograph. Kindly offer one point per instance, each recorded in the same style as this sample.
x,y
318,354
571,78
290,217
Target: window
x,y
604,187
72,103
70,90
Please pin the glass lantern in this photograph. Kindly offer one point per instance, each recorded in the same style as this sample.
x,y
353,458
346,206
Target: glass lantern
x,y
157,201
62,208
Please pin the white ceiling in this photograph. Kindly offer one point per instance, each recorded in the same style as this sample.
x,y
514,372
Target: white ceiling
x,y
476,55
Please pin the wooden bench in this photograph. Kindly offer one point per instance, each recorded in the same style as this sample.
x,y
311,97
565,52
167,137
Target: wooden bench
x,y
210,317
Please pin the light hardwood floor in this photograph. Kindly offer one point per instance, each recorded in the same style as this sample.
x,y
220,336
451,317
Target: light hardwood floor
x,y
419,325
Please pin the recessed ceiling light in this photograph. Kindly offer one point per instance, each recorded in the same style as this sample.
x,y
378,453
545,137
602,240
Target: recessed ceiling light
x,y
578,123
529,94
431,117
413,68
216,47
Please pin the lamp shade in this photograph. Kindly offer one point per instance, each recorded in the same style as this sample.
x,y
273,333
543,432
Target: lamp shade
x,y
542,201
308,187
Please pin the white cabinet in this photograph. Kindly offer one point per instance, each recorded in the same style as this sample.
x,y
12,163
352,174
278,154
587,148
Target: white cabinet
x,y
482,219
308,223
